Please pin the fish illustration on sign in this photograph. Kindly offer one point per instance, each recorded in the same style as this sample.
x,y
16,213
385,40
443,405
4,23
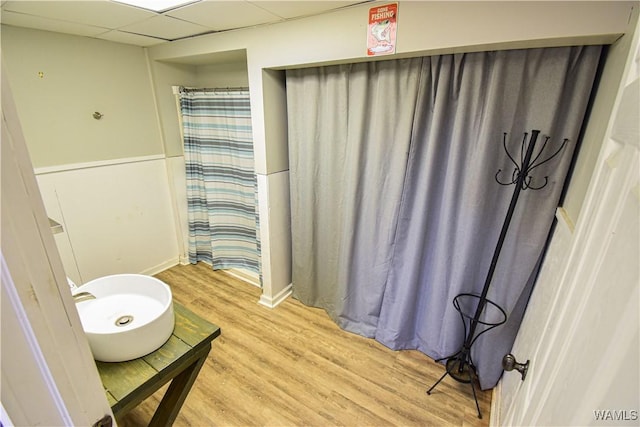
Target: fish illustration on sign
x,y
380,31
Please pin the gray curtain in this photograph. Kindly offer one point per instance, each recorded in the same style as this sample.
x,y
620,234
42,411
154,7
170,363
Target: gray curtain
x,y
395,209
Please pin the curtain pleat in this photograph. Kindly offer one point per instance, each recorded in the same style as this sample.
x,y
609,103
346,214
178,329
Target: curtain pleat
x,y
221,182
395,207
345,183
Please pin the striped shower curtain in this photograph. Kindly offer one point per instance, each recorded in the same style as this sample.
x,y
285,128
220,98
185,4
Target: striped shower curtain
x,y
221,182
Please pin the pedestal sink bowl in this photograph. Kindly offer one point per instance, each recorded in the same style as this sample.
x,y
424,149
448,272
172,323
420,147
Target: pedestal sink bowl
x,y
130,316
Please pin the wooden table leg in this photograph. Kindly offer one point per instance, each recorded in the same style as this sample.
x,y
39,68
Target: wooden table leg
x,y
177,392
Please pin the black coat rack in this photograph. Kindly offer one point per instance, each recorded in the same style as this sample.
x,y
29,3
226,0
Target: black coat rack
x,y
460,364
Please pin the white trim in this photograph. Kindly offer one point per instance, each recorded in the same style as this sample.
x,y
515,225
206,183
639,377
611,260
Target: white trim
x,y
273,302
100,163
246,276
563,218
496,405
176,97
168,165
32,341
160,267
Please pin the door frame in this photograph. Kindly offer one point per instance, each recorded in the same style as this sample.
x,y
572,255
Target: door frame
x,y
49,376
568,276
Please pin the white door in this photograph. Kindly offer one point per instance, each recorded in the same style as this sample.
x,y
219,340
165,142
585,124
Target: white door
x,y
581,328
49,377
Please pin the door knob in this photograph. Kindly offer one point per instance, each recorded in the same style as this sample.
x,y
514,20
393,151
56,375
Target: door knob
x,y
509,363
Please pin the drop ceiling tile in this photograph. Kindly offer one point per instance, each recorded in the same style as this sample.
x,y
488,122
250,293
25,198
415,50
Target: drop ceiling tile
x,y
129,38
46,24
100,13
294,9
165,27
224,15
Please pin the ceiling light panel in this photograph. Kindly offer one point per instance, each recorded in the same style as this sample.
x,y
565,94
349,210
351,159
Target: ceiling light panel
x,y
157,5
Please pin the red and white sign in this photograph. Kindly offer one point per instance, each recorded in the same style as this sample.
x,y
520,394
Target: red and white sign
x,y
381,32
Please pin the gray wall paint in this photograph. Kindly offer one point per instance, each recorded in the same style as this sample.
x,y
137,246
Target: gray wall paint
x,y
80,75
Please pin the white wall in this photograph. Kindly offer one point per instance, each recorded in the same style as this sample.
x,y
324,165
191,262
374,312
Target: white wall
x,y
596,128
423,28
164,77
227,74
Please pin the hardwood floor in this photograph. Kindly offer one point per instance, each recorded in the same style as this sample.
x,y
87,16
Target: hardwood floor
x,y
293,366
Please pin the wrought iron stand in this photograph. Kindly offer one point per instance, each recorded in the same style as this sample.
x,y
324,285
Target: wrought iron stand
x,y
460,365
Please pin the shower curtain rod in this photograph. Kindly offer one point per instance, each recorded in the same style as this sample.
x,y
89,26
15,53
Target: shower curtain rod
x,y
215,89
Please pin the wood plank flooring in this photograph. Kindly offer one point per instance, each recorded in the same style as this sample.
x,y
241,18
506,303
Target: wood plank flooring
x,y
293,366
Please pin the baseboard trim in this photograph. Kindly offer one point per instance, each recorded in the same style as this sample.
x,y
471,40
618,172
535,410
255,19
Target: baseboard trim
x,y
160,267
496,403
273,302
245,276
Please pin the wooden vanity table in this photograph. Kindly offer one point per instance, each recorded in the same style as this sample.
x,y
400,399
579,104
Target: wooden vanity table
x,y
179,360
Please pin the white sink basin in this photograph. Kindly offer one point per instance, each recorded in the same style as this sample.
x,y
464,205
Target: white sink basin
x,y
130,316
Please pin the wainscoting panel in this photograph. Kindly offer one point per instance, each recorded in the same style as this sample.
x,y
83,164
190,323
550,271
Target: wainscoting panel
x,y
275,237
117,218
50,199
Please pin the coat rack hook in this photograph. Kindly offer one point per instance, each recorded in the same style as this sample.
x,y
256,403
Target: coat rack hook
x,y
97,115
